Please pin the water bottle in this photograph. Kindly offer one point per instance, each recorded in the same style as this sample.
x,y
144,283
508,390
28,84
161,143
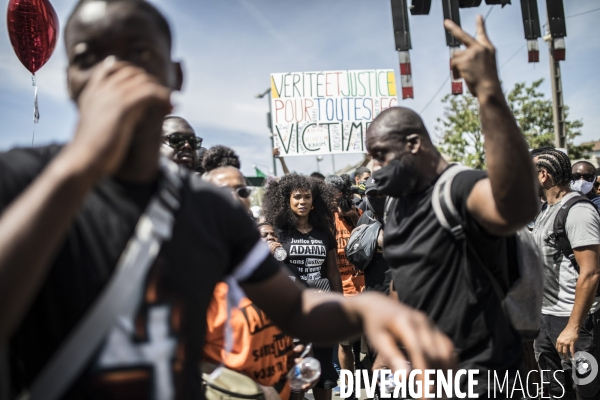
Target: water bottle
x,y
306,371
389,387
280,254
582,366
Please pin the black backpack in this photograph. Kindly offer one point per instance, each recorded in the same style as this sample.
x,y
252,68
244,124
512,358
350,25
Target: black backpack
x,y
522,303
362,245
560,232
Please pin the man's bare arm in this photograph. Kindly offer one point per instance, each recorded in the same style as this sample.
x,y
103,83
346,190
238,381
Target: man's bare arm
x,y
286,170
330,317
34,224
507,200
585,292
276,154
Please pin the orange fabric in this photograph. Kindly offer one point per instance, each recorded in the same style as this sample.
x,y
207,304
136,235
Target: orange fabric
x,y
260,350
353,279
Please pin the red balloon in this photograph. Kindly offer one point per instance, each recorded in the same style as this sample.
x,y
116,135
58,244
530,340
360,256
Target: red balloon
x,y
33,31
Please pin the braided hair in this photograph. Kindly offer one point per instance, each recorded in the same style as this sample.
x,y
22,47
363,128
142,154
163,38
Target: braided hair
x,y
556,163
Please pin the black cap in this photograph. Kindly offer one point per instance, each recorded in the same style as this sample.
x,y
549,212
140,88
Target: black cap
x,y
370,185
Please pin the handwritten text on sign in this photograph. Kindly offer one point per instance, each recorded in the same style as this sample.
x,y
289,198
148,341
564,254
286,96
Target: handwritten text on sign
x,y
328,112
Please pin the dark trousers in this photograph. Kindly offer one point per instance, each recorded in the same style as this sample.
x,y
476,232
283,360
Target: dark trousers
x,y
549,359
329,375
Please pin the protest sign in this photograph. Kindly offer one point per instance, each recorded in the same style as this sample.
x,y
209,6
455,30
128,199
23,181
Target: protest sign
x,y
328,112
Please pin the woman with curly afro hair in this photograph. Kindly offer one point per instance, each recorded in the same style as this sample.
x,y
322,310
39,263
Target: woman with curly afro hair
x,y
300,209
277,206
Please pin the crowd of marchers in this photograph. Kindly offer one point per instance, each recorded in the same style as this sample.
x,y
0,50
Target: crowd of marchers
x,y
132,264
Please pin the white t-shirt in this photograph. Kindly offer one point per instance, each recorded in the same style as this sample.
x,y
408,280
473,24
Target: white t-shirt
x,y
560,277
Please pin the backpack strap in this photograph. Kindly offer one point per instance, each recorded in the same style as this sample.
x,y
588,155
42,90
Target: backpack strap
x,y
560,231
120,294
388,205
441,201
450,219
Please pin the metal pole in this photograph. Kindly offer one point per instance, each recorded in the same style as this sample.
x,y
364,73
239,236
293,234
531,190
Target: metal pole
x,y
333,162
270,124
558,109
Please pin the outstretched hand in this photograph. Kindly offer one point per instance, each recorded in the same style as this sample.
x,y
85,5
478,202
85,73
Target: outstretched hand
x,y
389,324
477,63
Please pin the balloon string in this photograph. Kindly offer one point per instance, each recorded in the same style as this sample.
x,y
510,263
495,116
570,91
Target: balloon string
x,y
36,111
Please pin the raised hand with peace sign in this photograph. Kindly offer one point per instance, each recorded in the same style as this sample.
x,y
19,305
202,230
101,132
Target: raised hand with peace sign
x,y
477,63
505,201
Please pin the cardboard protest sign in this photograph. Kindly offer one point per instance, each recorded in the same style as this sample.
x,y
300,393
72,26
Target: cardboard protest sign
x,y
328,112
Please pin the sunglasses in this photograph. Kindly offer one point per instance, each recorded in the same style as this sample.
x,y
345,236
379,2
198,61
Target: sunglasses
x,y
244,191
177,140
587,177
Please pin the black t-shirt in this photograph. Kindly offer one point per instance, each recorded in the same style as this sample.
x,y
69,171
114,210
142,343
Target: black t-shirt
x,y
429,276
377,273
211,235
306,252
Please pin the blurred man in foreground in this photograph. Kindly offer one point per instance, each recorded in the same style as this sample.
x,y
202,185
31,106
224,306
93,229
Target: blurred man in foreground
x,y
68,212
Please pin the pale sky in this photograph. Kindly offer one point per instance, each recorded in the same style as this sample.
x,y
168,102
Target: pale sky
x,y
230,47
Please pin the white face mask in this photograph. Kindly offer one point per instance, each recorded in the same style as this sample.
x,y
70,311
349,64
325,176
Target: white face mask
x,y
582,186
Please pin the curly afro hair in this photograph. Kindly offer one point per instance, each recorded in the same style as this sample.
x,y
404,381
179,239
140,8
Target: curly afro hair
x,y
342,183
276,203
220,156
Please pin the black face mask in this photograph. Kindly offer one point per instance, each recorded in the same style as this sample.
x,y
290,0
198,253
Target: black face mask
x,y
399,178
377,205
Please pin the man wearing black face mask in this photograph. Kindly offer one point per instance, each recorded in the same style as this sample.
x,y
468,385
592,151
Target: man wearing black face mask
x,y
427,264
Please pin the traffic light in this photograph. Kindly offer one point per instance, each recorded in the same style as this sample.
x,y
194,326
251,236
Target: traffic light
x,y
558,27
403,45
451,11
531,26
420,7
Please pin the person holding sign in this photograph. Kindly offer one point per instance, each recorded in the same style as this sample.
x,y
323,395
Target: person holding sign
x,y
277,154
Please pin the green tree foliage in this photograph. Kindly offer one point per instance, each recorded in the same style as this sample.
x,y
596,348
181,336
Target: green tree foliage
x,y
461,138
535,118
459,131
